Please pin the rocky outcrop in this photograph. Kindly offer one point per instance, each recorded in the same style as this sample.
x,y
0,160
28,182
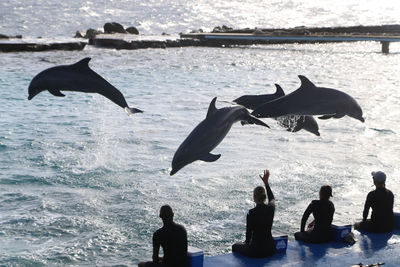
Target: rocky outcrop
x,y
79,34
132,30
141,44
109,28
113,27
91,33
222,29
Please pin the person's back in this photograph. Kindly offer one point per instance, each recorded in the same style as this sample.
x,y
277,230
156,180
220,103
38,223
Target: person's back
x,y
259,241
382,217
381,202
173,239
259,223
323,211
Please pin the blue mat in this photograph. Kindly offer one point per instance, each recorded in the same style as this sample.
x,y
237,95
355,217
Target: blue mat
x,y
369,249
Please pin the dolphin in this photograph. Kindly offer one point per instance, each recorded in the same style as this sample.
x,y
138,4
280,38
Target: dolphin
x,y
312,100
209,133
76,77
290,122
295,123
254,101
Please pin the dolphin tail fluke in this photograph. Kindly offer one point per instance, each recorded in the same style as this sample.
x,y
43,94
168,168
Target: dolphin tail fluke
x,y
253,120
131,111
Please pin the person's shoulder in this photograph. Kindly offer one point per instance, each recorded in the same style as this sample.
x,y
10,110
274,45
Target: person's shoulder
x,y
389,192
158,232
180,227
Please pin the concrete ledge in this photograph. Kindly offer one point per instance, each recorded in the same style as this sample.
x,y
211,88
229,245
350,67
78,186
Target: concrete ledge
x,y
35,47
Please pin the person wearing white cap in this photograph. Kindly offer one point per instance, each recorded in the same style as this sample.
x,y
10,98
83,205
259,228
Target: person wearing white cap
x,y
381,201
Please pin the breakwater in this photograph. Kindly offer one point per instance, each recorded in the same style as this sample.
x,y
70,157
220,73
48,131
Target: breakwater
x,y
115,36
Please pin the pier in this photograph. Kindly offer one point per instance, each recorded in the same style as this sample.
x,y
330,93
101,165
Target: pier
x,y
248,38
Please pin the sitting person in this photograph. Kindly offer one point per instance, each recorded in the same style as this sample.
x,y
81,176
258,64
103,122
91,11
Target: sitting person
x,y
381,201
172,238
320,229
259,241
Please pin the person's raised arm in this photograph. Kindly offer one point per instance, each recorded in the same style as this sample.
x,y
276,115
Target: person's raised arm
x,y
270,195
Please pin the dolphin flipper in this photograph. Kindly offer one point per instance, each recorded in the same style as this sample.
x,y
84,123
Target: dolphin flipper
x,y
56,92
210,157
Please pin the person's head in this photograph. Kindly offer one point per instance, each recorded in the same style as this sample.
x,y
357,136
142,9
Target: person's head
x,y
379,178
259,195
325,192
166,213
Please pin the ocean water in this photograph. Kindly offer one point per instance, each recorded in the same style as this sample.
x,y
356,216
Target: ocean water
x,y
81,182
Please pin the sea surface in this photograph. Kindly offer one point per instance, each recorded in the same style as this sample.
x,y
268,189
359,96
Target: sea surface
x,y
81,183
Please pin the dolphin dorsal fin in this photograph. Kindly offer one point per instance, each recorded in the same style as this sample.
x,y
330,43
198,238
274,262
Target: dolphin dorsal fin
x,y
83,63
305,82
279,90
212,109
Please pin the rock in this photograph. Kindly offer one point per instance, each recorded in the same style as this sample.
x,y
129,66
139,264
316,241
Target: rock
x,y
3,36
91,33
79,34
258,31
132,30
222,29
280,32
197,31
113,27
165,34
300,31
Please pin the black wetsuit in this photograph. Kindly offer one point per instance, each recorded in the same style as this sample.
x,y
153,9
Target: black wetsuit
x,y
259,241
322,211
172,238
382,218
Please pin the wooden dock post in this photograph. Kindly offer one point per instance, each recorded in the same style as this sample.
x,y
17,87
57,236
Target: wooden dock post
x,y
385,47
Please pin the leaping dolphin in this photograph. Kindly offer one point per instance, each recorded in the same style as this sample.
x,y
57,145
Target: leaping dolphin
x,y
76,77
209,133
290,122
254,101
312,100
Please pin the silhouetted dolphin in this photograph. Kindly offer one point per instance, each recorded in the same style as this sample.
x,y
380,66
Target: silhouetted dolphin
x,y
209,133
254,101
295,123
312,100
76,77
291,123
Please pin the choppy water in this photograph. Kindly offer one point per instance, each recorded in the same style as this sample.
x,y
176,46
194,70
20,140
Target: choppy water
x,y
81,182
